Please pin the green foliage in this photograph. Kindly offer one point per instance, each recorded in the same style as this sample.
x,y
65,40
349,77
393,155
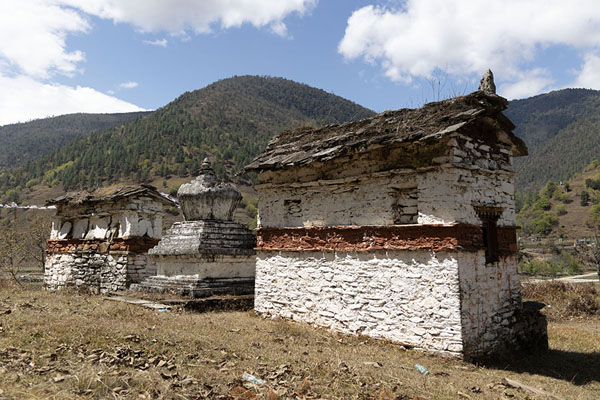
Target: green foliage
x,y
584,198
593,220
543,222
12,195
560,129
543,204
537,267
535,216
30,140
561,209
550,189
230,120
563,264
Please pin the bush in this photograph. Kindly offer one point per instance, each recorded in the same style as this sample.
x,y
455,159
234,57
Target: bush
x,y
561,210
585,198
550,189
537,267
593,220
585,304
543,222
543,204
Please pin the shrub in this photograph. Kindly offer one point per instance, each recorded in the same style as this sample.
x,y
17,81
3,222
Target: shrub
x,y
543,222
560,209
585,198
537,267
593,220
543,204
585,304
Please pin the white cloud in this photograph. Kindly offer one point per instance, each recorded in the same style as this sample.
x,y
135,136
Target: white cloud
x,y
128,85
23,98
175,16
465,37
33,44
529,83
162,42
32,37
589,75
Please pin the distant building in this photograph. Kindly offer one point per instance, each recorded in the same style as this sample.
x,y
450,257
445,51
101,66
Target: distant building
x,y
400,226
100,240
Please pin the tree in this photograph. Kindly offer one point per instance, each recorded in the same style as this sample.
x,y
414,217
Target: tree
x,y
592,251
585,198
13,252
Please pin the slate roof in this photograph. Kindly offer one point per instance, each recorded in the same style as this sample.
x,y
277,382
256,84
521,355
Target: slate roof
x,y
478,115
108,194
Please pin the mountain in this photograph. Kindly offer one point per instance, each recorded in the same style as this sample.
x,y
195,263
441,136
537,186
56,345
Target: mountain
x,y
31,140
562,131
230,121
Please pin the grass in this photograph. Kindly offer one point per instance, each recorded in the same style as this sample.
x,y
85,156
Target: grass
x,y
566,300
71,345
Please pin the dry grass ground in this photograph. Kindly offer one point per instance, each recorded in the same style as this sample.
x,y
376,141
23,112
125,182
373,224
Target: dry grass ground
x,y
70,346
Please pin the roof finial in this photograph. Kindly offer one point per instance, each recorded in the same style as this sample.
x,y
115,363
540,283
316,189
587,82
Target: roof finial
x,y
205,164
487,83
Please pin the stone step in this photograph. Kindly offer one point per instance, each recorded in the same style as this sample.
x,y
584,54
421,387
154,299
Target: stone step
x,y
195,287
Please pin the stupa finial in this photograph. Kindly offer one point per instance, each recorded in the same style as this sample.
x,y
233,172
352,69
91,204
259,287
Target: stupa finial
x,y
487,84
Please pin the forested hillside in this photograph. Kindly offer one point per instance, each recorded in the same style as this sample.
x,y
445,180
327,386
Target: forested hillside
x,y
31,140
562,131
230,121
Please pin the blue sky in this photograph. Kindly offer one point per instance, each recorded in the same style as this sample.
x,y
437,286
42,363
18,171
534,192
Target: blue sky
x,y
63,56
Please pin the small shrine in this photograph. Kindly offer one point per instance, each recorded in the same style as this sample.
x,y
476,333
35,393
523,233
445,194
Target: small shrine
x,y
207,253
100,239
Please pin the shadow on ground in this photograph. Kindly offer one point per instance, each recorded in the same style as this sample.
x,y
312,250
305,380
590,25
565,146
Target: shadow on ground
x,y
577,368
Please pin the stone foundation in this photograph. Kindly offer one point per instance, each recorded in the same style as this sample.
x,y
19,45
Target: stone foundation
x,y
191,286
99,273
98,265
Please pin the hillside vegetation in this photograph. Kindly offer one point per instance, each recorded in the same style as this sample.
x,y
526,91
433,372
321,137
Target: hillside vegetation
x,y
31,140
569,210
230,121
561,129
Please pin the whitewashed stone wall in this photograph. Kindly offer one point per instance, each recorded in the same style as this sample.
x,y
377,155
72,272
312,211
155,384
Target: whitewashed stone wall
x,y
97,272
447,195
367,200
409,297
491,299
439,195
471,174
127,218
206,266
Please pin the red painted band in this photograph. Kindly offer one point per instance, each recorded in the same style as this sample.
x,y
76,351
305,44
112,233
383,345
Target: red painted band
x,y
394,237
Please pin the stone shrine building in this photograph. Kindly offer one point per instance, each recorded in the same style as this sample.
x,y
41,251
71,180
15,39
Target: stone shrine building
x,y
400,226
100,240
207,253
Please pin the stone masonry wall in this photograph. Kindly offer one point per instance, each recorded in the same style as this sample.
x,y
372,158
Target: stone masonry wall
x,y
491,300
440,195
372,199
448,195
97,272
410,297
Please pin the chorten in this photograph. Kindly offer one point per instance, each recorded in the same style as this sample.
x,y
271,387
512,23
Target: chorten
x,y
207,253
